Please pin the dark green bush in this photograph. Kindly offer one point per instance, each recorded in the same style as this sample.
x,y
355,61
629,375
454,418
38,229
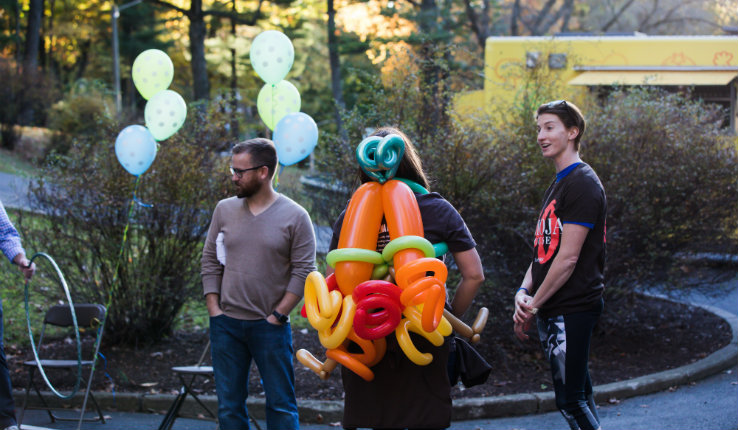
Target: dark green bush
x,y
88,194
671,179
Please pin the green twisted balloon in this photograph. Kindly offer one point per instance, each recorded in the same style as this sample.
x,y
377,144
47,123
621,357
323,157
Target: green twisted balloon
x,y
380,157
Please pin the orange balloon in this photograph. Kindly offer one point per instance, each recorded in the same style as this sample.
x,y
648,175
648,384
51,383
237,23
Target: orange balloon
x,y
350,363
403,218
417,268
370,353
359,230
418,288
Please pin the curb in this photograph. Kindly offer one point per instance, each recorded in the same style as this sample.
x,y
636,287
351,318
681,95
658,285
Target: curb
x,y
329,411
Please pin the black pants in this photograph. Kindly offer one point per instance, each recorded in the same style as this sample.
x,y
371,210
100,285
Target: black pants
x,y
565,340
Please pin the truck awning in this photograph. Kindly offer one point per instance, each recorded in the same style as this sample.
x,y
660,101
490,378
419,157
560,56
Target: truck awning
x,y
653,77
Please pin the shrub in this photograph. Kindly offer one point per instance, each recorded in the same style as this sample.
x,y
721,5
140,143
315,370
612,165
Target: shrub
x,y
89,196
670,175
87,103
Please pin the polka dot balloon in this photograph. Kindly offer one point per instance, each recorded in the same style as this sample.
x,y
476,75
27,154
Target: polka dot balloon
x,y
276,101
295,137
165,113
272,55
135,148
152,72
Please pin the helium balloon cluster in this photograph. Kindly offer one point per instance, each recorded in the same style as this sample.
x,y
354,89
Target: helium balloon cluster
x,y
165,112
295,133
374,294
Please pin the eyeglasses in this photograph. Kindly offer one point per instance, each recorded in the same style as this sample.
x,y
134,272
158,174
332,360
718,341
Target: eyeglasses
x,y
239,172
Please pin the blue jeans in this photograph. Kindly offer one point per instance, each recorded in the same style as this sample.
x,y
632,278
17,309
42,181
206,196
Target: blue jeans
x,y
7,405
234,343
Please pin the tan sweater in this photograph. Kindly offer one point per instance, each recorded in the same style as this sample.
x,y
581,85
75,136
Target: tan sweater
x,y
265,256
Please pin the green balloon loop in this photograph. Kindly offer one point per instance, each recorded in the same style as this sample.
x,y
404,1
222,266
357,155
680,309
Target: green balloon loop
x,y
441,248
414,186
407,242
380,271
353,254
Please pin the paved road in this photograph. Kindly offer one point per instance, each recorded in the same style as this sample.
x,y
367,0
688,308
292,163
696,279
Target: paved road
x,y
13,190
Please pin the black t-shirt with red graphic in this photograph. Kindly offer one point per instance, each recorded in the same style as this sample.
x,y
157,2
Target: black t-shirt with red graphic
x,y
575,197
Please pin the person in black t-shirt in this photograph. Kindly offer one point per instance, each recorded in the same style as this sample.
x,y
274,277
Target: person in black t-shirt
x,y
403,394
565,279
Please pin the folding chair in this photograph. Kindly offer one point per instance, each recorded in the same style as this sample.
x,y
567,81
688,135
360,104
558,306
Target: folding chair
x,y
187,375
90,318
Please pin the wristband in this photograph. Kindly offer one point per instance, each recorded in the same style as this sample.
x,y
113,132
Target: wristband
x,y
282,318
524,289
533,311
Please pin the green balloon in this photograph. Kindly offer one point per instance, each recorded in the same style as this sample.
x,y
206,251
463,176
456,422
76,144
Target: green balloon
x,y
152,72
276,101
165,113
272,55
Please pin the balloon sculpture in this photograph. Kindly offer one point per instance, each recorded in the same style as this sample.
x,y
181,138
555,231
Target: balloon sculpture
x,y
372,295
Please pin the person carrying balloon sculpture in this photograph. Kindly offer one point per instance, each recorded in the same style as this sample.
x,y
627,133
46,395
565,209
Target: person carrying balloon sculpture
x,y
564,284
403,394
251,282
10,243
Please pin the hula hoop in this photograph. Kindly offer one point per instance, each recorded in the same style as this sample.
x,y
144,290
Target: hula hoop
x,y
74,321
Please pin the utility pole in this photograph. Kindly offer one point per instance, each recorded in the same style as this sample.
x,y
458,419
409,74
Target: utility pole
x,y
114,15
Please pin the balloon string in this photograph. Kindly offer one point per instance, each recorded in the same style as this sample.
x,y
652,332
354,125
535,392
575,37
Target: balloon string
x,y
121,255
107,375
135,199
271,109
276,177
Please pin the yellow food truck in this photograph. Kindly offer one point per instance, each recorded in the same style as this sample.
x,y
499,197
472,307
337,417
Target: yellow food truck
x,y
708,64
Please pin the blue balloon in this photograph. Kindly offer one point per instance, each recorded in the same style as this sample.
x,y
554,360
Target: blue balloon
x,y
295,137
135,148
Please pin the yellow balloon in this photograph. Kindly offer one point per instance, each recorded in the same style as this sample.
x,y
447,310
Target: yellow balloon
x,y
403,338
333,337
413,313
316,288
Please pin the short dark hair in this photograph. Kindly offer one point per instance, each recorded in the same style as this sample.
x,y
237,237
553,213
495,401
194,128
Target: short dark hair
x,y
568,113
262,151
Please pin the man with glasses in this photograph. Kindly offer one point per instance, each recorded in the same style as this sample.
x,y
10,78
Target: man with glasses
x,y
269,249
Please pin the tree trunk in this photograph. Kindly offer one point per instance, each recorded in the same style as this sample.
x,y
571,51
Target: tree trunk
x,y
514,17
33,35
16,14
433,116
234,79
198,30
30,59
479,21
335,63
